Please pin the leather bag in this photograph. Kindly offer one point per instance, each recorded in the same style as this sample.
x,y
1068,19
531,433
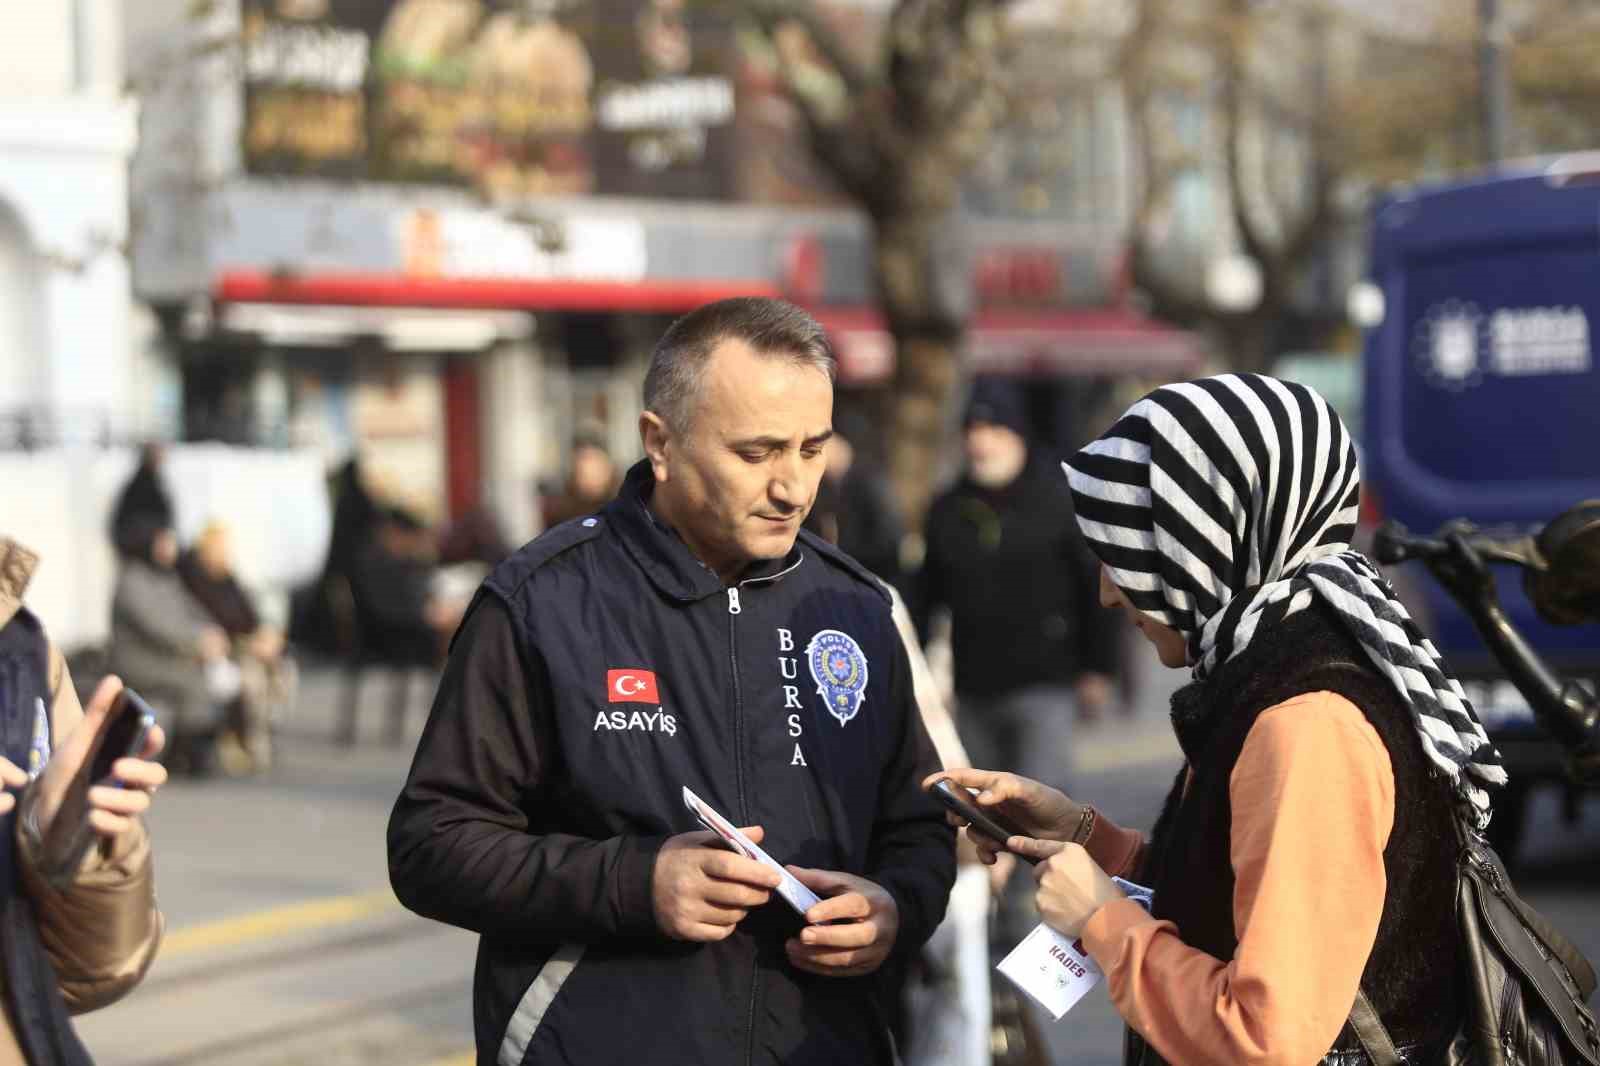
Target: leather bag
x,y
1526,987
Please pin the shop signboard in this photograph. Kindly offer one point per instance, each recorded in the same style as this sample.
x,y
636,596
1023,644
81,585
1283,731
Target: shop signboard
x,y
664,99
561,98
456,243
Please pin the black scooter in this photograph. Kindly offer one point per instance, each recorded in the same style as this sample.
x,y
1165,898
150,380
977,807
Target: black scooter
x,y
1561,574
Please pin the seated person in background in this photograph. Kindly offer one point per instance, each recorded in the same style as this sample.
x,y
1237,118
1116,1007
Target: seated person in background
x,y
162,644
268,676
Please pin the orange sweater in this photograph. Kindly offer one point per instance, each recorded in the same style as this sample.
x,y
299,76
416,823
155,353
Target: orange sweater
x,y
1313,804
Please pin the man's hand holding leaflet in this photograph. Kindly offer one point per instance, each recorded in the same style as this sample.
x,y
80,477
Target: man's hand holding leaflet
x,y
789,887
701,892
848,934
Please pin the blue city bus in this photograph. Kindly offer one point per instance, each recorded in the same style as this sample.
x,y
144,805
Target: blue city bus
x,y
1481,399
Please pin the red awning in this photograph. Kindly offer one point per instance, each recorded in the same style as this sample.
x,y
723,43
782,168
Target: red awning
x,y
1023,343
399,290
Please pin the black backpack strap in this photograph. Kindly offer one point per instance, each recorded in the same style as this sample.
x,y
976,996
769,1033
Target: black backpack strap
x,y
1369,1029
1477,853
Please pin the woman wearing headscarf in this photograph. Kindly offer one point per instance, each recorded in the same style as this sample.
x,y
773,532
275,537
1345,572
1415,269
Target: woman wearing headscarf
x,y
143,502
1303,865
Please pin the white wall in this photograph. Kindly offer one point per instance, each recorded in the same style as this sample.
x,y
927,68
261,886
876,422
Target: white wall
x,y
36,49
66,134
22,327
62,47
184,70
65,178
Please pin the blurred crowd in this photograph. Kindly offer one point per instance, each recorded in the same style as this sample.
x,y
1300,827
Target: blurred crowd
x,y
985,583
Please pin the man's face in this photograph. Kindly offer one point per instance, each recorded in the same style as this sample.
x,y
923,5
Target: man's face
x,y
995,454
738,484
164,549
214,552
592,472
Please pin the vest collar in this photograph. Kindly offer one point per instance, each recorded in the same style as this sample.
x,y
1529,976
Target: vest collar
x,y
17,565
662,554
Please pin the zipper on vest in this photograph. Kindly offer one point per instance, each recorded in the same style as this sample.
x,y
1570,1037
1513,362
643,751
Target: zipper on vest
x,y
734,610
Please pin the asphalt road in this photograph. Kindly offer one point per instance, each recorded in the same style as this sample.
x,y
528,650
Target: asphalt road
x,y
285,946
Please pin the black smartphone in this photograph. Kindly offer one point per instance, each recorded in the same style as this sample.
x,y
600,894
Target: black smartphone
x,y
131,722
959,800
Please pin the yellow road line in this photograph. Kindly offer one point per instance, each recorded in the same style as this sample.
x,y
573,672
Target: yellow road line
x,y
278,921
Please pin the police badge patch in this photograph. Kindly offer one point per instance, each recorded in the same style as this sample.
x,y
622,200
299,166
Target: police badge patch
x,y
840,671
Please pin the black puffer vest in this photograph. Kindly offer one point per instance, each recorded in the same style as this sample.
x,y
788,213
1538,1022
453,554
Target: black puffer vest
x,y
32,997
1410,977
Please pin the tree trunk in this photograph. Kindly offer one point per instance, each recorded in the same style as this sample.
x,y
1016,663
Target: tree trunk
x,y
922,289
1245,341
925,377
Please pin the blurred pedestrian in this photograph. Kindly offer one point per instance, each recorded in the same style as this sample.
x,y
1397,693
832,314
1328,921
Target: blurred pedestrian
x,y
356,515
144,500
1306,853
163,644
324,612
1004,559
658,645
268,676
79,925
474,538
592,482
855,508
403,621
395,589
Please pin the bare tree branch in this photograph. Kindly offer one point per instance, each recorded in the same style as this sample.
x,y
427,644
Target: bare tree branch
x,y
851,142
771,14
1251,237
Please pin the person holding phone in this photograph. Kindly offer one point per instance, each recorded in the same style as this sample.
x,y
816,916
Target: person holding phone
x,y
1306,853
78,919
688,634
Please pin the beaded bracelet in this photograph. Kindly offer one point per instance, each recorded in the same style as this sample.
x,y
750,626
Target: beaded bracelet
x,y
1085,828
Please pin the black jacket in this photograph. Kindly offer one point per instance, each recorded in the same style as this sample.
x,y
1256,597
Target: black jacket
x,y
548,777
223,598
1020,585
857,512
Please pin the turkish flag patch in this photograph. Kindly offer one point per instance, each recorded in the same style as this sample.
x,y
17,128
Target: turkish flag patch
x,y
631,686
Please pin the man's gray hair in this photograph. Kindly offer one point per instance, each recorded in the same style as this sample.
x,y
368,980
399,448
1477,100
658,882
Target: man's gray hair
x,y
771,328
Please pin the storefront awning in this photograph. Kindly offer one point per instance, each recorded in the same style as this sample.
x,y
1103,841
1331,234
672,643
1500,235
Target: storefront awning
x,y
1024,343
503,294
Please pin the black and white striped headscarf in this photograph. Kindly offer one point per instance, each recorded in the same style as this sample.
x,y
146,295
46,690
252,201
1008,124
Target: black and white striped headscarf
x,y
1225,505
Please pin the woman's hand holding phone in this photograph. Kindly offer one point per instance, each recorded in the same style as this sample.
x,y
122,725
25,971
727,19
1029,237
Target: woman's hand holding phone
x,y
67,808
1031,808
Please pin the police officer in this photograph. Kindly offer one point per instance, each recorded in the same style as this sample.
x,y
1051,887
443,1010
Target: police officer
x,y
686,635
